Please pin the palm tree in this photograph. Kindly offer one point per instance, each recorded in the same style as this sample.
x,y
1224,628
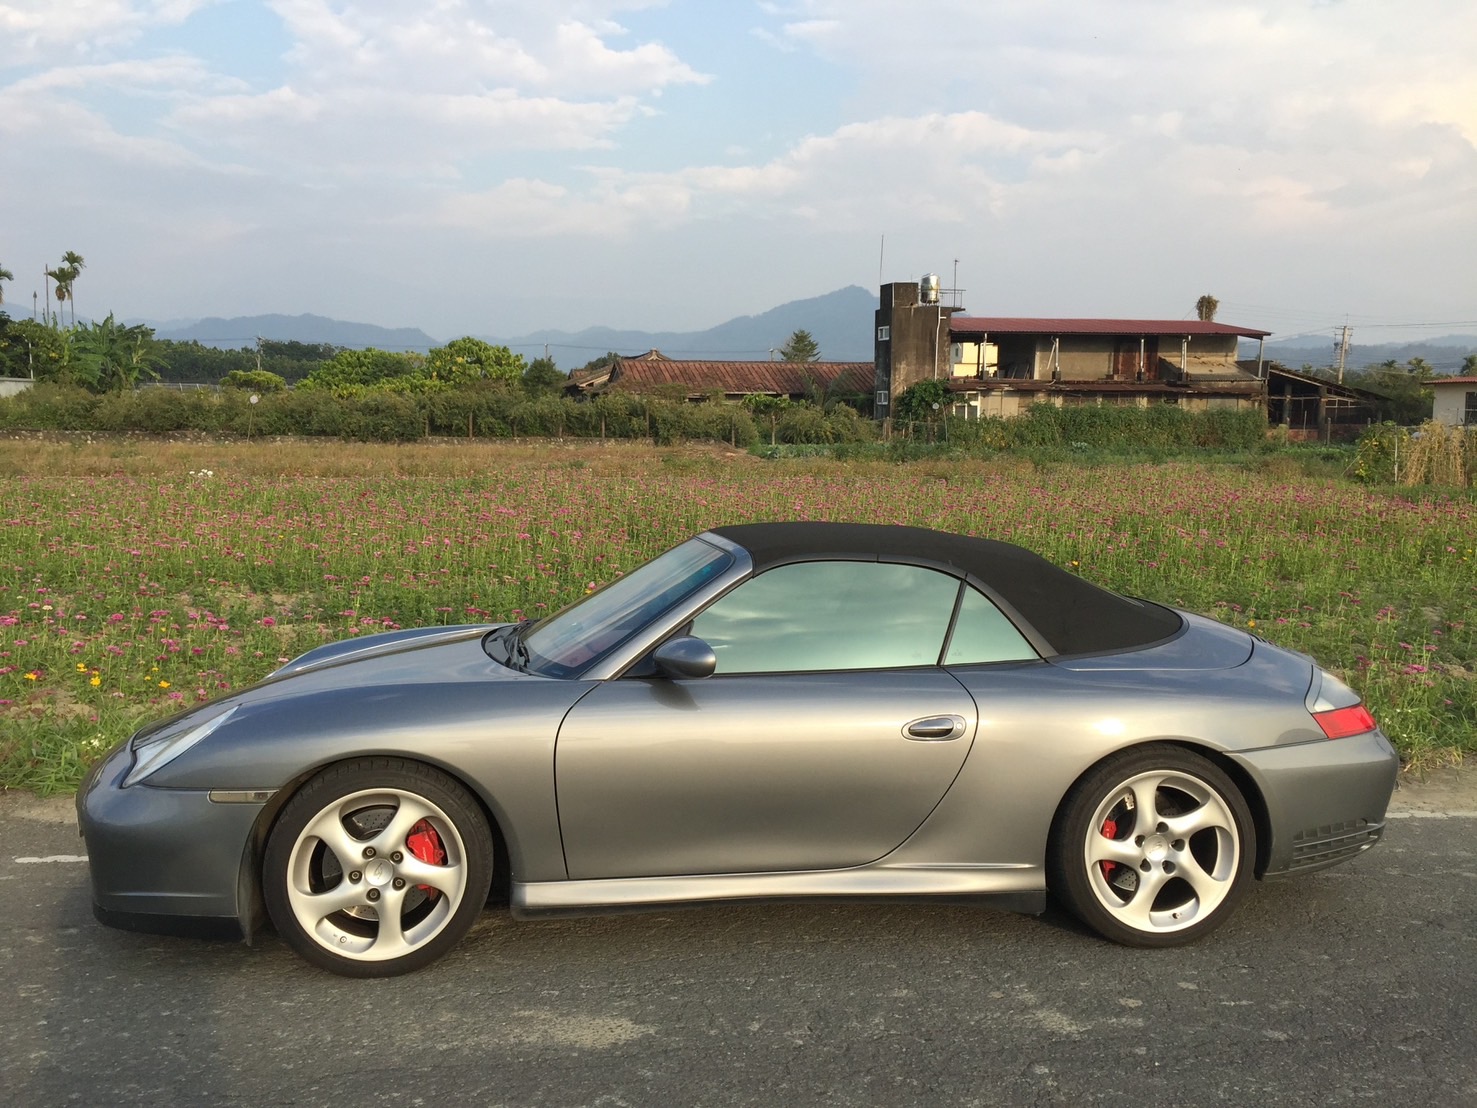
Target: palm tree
x,y
64,274
1205,308
5,275
63,288
74,265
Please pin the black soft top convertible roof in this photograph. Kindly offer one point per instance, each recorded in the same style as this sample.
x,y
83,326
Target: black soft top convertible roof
x,y
1068,614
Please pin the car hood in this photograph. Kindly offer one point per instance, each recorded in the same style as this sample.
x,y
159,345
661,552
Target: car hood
x,y
420,693
423,656
378,646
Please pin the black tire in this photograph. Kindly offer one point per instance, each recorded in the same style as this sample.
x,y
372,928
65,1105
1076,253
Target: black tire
x,y
377,867
1160,877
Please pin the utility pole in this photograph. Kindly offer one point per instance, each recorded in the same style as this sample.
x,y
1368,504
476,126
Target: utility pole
x,y
1343,350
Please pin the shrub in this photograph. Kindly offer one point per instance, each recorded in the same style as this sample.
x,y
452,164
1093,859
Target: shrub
x,y
254,380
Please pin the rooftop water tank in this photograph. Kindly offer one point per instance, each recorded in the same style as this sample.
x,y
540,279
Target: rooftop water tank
x,y
928,289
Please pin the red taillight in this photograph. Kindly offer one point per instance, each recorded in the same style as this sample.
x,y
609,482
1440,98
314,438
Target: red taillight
x,y
1340,723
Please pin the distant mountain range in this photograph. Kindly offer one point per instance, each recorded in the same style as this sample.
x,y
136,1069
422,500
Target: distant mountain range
x,y
1444,355
840,322
239,331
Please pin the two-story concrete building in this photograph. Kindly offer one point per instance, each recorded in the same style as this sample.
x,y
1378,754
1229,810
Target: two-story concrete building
x,y
999,366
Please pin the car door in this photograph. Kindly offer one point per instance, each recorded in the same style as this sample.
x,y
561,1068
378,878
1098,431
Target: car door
x,y
825,737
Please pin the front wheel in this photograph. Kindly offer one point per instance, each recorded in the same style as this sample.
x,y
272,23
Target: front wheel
x,y
377,867
1154,847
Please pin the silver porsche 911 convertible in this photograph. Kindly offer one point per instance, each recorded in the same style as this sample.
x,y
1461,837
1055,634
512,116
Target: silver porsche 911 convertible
x,y
768,710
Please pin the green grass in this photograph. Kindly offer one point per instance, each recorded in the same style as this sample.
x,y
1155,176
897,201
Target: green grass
x,y
137,578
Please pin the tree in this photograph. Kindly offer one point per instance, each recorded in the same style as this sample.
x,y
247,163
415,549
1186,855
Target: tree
x,y
354,372
32,349
1469,366
65,275
800,347
1403,393
610,357
1205,308
544,378
928,399
5,275
464,360
114,356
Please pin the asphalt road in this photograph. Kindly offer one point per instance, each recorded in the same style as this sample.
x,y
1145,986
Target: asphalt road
x,y
1355,986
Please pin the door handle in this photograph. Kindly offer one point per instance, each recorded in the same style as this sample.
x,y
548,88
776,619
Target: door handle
x,y
935,728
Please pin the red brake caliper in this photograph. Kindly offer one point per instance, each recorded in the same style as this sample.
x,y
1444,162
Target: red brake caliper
x,y
425,844
1110,831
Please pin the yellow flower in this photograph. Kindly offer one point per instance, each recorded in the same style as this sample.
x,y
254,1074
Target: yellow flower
x,y
95,682
1251,623
81,668
164,684
33,676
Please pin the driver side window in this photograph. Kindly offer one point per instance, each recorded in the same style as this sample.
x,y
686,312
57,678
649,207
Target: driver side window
x,y
831,616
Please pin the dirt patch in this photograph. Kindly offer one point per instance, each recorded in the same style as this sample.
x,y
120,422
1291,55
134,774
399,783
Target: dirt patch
x,y
36,809
1447,791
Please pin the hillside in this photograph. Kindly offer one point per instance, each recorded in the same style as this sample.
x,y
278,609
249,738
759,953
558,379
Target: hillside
x,y
840,322
239,331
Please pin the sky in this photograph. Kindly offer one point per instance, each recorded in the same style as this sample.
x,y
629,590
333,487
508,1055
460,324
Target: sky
x,y
503,166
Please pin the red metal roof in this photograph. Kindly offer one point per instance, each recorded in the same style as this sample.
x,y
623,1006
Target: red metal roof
x,y
1453,381
780,378
1013,325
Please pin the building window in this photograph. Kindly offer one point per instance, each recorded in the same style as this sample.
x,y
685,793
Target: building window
x,y
884,333
1470,418
881,400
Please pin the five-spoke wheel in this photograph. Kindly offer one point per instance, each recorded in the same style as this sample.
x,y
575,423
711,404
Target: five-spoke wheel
x,y
1154,847
377,867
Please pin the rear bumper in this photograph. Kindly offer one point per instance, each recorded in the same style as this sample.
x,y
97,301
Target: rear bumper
x,y
1325,800
168,861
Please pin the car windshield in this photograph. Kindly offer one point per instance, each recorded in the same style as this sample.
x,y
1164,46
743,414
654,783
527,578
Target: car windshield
x,y
567,642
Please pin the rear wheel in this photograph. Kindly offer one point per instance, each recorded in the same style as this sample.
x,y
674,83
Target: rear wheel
x,y
1154,847
377,867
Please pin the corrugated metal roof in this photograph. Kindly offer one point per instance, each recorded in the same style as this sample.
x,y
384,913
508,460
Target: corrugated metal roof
x,y
779,378
1014,325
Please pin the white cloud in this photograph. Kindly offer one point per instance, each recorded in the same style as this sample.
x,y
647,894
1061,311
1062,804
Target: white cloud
x,y
34,30
1082,151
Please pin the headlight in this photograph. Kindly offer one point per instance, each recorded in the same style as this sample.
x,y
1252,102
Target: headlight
x,y
158,750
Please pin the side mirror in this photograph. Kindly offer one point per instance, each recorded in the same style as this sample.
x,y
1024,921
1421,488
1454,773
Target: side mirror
x,y
685,657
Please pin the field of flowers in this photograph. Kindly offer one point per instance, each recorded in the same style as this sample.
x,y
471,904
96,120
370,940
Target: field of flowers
x,y
136,578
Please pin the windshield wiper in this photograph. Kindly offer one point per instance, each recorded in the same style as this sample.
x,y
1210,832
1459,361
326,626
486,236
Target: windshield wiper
x,y
517,648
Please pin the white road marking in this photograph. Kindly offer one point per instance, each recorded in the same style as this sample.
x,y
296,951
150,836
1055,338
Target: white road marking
x,y
50,858
1430,815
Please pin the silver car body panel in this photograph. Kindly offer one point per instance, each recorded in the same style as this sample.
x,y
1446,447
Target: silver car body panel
x,y
1018,887
802,771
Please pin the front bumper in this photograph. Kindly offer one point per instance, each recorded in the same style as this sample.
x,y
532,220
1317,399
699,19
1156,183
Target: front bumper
x,y
167,860
1325,800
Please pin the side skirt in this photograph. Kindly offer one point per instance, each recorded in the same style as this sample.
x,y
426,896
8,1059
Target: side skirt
x,y
1014,888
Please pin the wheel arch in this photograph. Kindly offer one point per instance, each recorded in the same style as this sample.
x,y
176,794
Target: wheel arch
x,y
253,906
1250,791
